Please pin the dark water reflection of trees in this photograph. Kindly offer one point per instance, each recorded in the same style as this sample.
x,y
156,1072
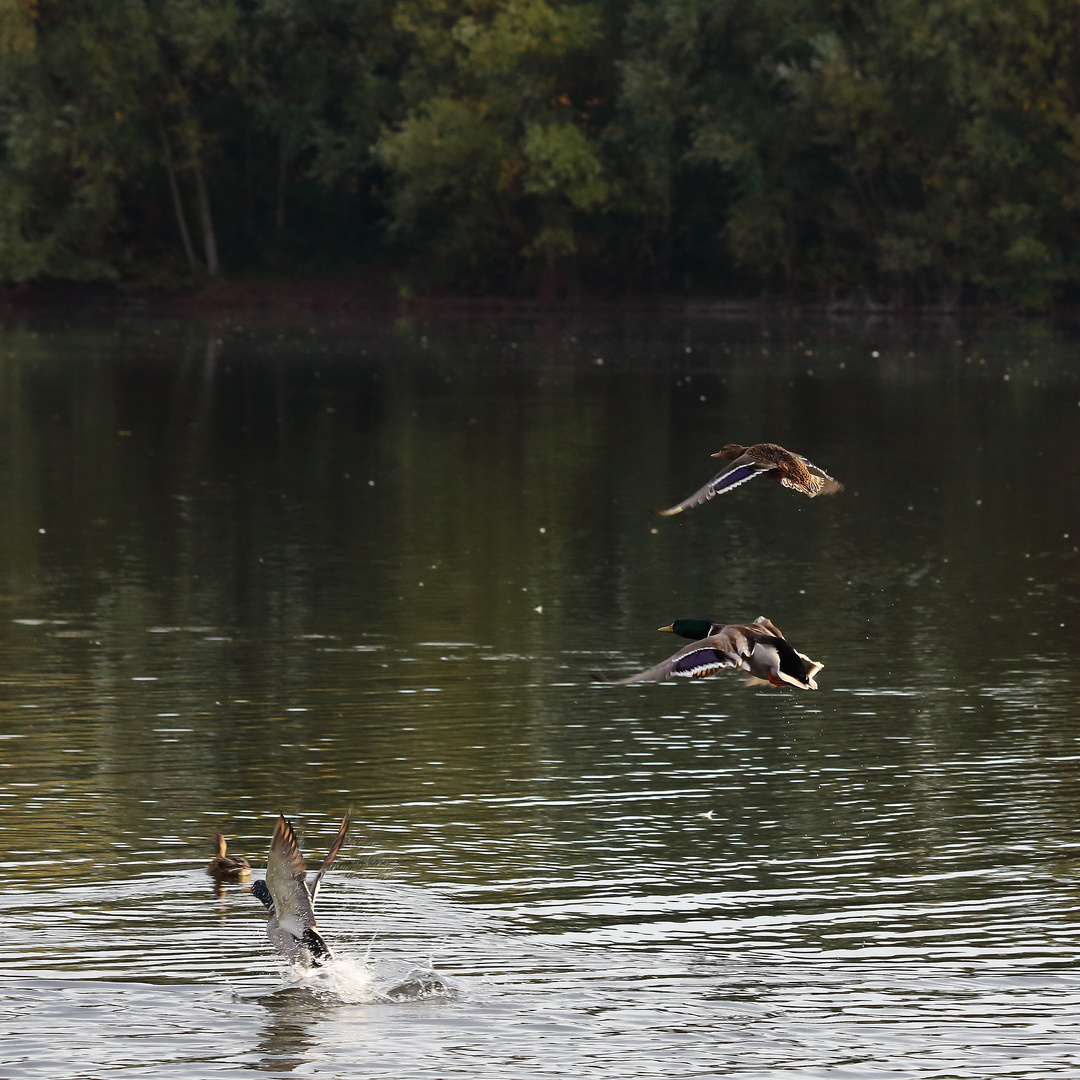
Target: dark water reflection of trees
x,y
275,517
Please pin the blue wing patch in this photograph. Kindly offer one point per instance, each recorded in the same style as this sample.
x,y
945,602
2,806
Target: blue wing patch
x,y
700,663
735,477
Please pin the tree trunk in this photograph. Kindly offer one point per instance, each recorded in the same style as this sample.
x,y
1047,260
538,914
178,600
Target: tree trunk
x,y
213,267
178,206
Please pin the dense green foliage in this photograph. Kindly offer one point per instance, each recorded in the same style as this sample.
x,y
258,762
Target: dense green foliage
x,y
897,150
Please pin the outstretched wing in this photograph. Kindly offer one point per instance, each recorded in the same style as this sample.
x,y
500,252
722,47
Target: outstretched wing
x,y
335,847
731,476
285,874
696,661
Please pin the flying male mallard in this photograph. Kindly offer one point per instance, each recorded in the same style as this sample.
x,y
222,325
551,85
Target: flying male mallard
x,y
759,649
768,459
290,901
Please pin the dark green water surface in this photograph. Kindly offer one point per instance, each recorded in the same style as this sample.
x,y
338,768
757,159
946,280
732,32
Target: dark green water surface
x,y
263,564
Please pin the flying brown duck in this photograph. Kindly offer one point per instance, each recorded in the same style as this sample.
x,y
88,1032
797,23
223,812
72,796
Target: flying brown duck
x,y
765,459
759,649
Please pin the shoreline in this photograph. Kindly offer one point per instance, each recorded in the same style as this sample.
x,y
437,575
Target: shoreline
x,y
351,293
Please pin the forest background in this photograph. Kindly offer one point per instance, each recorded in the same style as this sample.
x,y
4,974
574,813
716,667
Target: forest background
x,y
893,151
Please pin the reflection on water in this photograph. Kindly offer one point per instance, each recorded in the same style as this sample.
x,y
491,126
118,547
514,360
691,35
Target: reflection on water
x,y
264,566
287,1037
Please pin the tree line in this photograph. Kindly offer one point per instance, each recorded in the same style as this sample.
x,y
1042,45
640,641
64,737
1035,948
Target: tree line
x,y
907,151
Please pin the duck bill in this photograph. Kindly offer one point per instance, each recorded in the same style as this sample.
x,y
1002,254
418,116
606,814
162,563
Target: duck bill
x,y
667,629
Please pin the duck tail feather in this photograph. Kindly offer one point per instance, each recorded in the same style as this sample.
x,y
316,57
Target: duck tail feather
x,y
321,953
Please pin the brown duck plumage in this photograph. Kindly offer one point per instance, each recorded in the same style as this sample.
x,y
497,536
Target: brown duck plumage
x,y
764,459
227,867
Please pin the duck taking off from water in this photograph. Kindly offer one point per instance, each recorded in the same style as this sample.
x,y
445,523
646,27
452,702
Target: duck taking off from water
x,y
765,459
758,649
227,867
290,901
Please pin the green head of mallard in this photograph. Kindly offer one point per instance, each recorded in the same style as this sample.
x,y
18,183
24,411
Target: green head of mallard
x,y
694,629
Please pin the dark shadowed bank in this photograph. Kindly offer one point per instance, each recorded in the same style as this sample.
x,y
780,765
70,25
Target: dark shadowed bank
x,y
883,152
378,290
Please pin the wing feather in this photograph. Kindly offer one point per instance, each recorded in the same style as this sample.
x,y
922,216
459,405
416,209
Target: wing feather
x,y
285,874
767,624
700,663
335,847
694,661
735,473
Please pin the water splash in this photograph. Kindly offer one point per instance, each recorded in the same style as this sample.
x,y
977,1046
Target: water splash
x,y
352,981
348,980
421,984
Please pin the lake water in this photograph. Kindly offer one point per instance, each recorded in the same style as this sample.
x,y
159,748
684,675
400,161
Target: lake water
x,y
265,563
